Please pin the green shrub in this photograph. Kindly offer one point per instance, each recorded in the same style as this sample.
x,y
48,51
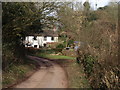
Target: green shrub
x,y
59,48
70,42
88,63
15,73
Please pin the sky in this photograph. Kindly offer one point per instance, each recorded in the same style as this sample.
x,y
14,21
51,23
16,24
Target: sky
x,y
100,3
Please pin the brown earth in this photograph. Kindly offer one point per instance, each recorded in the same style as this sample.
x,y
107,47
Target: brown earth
x,y
50,75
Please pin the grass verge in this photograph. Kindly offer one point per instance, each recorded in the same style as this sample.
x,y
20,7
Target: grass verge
x,y
75,72
17,73
76,75
54,56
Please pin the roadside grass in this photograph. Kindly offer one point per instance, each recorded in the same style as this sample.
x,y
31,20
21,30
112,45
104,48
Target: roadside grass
x,y
76,75
75,71
54,56
17,72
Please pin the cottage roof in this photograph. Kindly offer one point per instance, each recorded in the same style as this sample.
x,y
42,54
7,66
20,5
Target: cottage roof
x,y
46,33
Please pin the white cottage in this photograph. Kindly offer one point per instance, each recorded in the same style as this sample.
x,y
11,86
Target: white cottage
x,y
41,39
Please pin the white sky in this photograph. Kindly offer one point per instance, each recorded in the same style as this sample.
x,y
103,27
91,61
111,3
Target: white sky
x,y
100,3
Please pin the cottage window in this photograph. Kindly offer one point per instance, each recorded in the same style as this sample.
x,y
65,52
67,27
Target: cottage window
x,y
35,38
35,46
52,38
44,45
45,38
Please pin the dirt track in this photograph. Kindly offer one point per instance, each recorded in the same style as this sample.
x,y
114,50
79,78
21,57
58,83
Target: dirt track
x,y
50,75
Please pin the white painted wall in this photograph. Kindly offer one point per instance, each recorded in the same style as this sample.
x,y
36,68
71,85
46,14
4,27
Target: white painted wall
x,y
40,40
56,39
48,40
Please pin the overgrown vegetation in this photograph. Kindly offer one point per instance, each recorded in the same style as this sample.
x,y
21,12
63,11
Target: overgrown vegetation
x,y
99,30
76,75
88,63
19,20
18,72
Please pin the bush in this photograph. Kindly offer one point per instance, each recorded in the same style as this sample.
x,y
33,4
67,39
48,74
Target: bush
x,y
70,42
70,52
59,48
88,63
